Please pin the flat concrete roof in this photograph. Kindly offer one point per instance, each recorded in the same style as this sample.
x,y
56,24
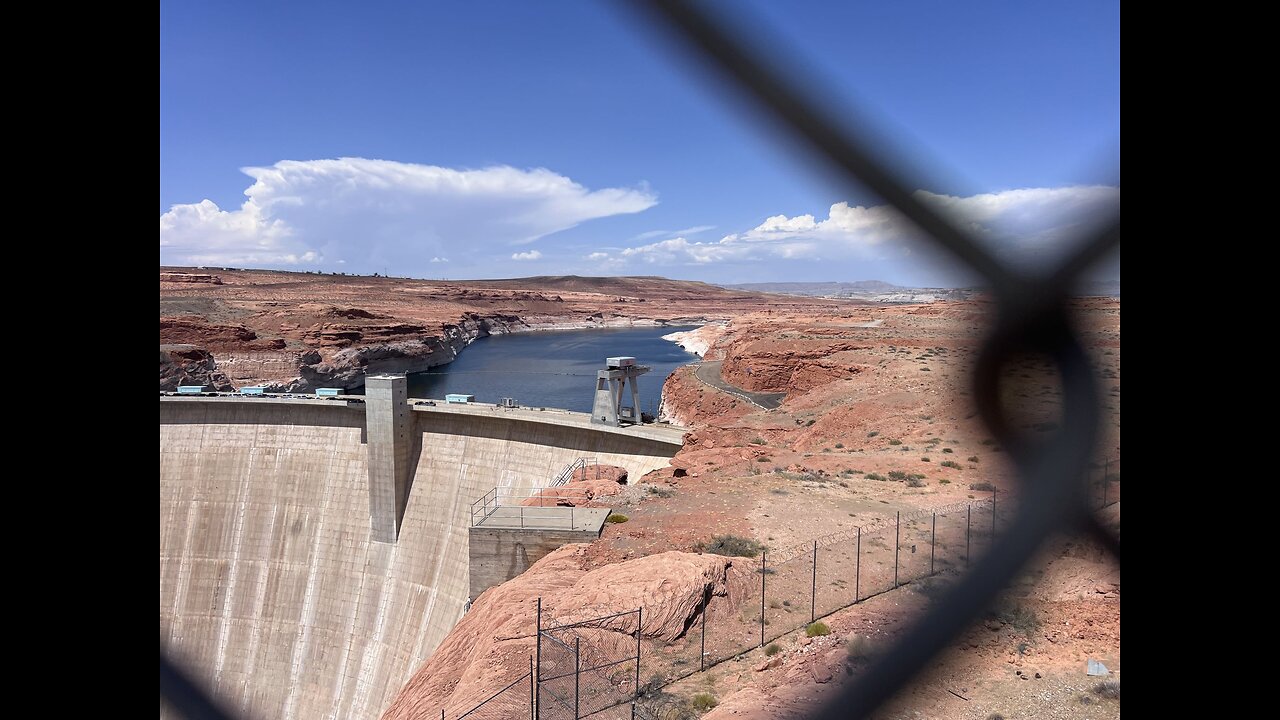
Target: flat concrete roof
x,y
519,517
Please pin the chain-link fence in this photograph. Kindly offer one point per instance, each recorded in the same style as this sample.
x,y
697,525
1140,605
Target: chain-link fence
x,y
513,701
589,668
791,588
592,668
1031,317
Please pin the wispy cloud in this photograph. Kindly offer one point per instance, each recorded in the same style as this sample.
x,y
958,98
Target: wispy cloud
x,y
674,233
375,214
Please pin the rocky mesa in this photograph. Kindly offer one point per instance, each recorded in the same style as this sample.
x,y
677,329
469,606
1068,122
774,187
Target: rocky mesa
x,y
298,331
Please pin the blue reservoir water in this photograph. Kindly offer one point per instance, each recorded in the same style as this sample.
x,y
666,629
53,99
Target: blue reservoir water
x,y
553,368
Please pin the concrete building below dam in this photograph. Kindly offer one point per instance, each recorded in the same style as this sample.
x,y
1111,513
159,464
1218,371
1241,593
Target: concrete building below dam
x,y
314,552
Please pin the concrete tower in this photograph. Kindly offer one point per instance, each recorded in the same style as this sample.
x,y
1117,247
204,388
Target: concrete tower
x,y
610,384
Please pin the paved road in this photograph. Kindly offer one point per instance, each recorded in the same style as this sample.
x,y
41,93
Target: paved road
x,y
709,373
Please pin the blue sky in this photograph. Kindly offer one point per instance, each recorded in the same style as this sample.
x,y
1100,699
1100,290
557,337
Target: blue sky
x,y
497,139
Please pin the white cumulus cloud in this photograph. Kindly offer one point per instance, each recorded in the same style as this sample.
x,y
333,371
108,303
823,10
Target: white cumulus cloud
x,y
530,255
383,215
438,259
1025,225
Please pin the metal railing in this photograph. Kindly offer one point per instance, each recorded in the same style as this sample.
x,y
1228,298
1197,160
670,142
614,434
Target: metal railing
x,y
569,470
535,507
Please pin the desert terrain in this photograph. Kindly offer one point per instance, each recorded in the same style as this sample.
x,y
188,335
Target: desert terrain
x,y
876,420
298,331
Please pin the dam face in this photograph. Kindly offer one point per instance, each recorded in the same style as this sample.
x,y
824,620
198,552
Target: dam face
x,y
277,589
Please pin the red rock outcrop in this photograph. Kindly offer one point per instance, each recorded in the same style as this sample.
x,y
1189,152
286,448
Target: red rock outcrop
x,y
495,639
181,277
584,486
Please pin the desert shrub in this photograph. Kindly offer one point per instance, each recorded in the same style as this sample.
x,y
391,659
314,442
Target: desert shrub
x,y
772,649
944,481
897,476
659,491
757,440
763,458
616,518
730,545
973,458
810,423
1108,689
926,459
858,648
947,450
915,482
817,629
873,433
1022,618
704,702
895,441
839,446
876,476
982,487
951,464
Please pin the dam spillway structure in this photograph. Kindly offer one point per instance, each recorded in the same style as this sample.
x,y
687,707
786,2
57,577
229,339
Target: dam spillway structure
x,y
314,550
611,383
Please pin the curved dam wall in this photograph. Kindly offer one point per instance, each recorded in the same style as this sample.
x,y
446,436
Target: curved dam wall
x,y
273,588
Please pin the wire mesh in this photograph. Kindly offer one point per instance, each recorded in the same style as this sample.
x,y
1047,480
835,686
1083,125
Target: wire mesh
x,y
557,679
513,701
598,678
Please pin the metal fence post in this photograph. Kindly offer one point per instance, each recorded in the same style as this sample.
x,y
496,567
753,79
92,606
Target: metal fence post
x,y
537,667
813,587
897,534
639,622
993,516
1106,480
762,571
702,659
857,569
933,542
968,524
577,673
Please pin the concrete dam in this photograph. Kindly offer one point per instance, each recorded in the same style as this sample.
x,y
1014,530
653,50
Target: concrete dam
x,y
314,552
